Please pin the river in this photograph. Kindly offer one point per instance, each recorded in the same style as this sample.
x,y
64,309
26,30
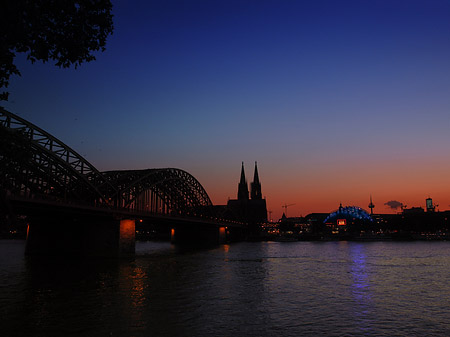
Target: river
x,y
242,289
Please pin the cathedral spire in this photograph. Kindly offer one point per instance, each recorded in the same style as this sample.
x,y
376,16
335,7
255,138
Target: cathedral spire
x,y
242,175
256,177
256,185
243,187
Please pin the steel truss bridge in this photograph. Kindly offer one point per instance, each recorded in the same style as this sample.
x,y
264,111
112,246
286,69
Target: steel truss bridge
x,y
36,167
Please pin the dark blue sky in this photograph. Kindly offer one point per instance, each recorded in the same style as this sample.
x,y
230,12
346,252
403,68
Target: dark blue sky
x,y
334,99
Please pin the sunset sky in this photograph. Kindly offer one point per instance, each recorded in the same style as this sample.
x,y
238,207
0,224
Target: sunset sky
x,y
335,100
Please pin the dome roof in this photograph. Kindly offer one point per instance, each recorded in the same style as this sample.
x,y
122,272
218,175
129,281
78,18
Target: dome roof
x,y
349,213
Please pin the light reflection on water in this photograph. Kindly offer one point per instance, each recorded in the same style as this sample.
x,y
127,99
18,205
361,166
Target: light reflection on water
x,y
255,289
360,288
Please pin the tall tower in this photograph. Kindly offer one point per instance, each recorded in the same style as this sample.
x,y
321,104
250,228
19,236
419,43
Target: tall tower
x,y
243,187
371,205
430,206
256,185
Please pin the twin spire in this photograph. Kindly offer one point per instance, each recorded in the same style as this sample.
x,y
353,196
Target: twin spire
x,y
255,186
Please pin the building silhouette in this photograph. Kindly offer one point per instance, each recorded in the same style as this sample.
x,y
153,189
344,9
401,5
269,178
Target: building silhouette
x,y
253,209
256,186
243,186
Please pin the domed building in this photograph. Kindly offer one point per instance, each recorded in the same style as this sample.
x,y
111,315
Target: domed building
x,y
348,219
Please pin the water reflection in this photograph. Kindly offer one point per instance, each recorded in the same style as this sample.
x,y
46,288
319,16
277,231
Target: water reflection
x,y
257,289
190,291
132,288
66,296
360,288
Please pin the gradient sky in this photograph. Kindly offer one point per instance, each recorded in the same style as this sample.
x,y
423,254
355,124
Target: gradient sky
x,y
336,100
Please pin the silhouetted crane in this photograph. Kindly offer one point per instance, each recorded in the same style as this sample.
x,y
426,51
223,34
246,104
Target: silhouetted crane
x,y
285,206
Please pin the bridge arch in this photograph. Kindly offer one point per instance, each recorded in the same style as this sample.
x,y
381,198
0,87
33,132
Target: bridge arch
x,y
167,191
38,165
35,164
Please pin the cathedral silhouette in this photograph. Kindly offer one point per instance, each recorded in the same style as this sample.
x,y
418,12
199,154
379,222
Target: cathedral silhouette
x,y
253,209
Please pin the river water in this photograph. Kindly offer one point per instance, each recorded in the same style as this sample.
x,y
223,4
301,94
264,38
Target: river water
x,y
242,289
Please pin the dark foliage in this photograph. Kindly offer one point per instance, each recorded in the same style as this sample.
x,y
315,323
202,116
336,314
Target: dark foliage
x,y
65,31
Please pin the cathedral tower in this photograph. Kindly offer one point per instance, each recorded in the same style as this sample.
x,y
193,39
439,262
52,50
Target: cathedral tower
x,y
256,185
243,187
251,211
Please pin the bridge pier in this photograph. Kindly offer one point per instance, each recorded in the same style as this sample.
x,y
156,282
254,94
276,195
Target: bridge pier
x,y
85,236
198,235
127,237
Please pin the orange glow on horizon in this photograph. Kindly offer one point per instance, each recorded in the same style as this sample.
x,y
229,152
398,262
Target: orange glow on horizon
x,y
320,188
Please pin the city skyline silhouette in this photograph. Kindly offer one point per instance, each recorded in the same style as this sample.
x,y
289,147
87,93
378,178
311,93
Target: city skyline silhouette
x,y
220,168
335,101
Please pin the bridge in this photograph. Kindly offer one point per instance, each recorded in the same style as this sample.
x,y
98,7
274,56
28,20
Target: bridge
x,y
70,202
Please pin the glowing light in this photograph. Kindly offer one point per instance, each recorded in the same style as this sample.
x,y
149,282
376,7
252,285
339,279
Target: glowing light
x,y
351,212
342,222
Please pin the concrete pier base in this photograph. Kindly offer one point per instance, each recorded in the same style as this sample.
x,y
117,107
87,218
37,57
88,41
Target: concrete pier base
x,y
127,238
222,235
94,236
